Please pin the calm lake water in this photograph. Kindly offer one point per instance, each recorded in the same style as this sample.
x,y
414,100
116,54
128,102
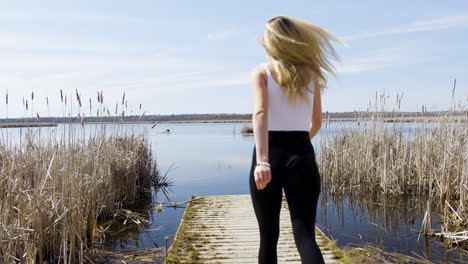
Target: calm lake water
x,y
214,159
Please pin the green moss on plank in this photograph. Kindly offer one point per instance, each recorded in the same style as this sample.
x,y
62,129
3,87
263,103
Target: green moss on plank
x,y
329,244
183,242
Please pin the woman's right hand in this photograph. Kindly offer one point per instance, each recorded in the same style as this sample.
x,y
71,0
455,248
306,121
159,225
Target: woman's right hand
x,y
262,176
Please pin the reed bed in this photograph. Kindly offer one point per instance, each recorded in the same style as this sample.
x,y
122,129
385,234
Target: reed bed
x,y
53,194
56,190
380,158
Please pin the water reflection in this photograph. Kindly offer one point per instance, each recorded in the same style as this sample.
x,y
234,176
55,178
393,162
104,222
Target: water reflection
x,y
391,222
124,231
214,159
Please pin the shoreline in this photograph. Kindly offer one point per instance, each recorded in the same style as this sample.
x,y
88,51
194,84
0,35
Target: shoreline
x,y
421,119
27,124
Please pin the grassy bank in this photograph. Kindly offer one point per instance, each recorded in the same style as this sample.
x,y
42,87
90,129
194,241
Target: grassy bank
x,y
371,254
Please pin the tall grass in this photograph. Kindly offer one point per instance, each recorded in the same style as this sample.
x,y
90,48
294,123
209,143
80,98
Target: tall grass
x,y
56,189
384,159
52,194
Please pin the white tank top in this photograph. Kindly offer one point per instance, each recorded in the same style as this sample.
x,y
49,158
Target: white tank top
x,y
286,116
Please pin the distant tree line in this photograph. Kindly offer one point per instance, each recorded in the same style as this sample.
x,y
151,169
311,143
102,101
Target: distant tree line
x,y
199,117
132,118
367,114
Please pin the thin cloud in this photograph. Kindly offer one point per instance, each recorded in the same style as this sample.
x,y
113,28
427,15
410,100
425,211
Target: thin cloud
x,y
156,75
35,42
66,15
224,35
370,63
381,59
192,80
230,81
440,23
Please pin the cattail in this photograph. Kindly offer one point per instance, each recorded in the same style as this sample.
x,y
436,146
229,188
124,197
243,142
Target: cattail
x,y
78,98
38,117
108,112
454,85
26,104
116,108
140,107
47,100
90,106
65,99
123,98
399,101
100,97
61,95
32,96
6,100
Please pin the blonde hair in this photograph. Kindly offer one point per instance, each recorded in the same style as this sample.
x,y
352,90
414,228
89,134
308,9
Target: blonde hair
x,y
299,51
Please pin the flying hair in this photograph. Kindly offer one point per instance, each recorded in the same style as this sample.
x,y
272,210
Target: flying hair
x,y
299,52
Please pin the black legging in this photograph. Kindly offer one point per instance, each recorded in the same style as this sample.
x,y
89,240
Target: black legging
x,y
293,167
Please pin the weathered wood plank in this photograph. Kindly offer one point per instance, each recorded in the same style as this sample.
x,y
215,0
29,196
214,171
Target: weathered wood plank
x,y
224,229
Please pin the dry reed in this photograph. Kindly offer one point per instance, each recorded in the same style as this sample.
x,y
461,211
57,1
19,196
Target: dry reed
x,y
385,159
52,194
55,190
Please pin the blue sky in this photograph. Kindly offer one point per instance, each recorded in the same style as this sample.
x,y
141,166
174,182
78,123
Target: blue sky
x,y
196,56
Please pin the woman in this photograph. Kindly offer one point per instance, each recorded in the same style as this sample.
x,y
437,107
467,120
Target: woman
x,y
287,115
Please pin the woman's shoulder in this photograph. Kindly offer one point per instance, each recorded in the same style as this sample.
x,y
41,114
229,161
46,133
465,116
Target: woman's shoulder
x,y
259,78
259,71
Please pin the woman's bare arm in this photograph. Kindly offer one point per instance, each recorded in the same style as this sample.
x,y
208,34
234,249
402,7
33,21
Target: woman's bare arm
x,y
260,126
316,123
259,117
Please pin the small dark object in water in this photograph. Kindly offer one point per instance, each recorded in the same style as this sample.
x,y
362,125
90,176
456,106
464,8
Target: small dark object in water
x,y
247,130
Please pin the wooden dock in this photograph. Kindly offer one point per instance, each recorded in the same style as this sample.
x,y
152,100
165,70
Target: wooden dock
x,y
224,229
